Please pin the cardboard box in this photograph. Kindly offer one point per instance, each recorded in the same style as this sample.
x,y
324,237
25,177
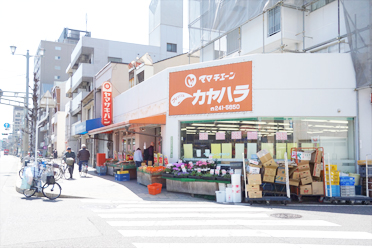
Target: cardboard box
x,y
253,170
294,182
268,179
306,180
254,179
271,162
317,169
302,166
143,164
264,156
255,194
249,187
270,171
305,173
306,190
150,163
318,188
317,159
280,176
256,165
296,175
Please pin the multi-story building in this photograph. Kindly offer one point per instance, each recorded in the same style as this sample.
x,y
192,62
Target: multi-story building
x,y
91,55
18,123
50,70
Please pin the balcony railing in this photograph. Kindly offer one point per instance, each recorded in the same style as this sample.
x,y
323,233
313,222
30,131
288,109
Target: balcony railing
x,y
76,102
68,86
73,132
68,107
84,73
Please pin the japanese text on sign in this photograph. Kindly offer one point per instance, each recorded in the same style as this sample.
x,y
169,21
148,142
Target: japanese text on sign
x,y
226,88
106,103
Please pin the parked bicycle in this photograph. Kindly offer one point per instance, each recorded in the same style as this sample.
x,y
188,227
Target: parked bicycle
x,y
51,189
84,169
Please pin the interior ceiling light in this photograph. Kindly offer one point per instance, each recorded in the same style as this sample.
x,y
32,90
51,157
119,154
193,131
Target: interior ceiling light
x,y
203,125
253,122
190,127
183,129
314,120
344,122
249,126
211,133
273,123
324,126
229,129
223,125
228,121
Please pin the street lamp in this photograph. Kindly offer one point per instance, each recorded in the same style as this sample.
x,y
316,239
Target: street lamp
x,y
41,53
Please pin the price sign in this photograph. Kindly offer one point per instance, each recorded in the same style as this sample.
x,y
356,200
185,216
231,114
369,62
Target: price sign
x,y
203,136
231,171
165,160
218,167
212,172
223,172
217,172
236,135
199,170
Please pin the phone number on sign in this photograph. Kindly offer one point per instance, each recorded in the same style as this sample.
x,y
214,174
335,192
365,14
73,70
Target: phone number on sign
x,y
226,107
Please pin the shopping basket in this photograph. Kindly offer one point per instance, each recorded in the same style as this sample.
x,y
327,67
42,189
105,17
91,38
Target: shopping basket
x,y
154,188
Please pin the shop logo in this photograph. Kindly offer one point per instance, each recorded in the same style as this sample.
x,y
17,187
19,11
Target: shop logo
x,y
190,80
178,98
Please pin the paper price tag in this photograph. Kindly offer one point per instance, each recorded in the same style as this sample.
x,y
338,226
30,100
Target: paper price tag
x,y
231,171
183,169
253,162
179,161
199,170
217,172
223,172
218,167
212,172
210,156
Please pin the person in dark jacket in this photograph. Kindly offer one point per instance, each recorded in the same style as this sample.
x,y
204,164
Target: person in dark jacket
x,y
151,153
70,154
83,155
55,154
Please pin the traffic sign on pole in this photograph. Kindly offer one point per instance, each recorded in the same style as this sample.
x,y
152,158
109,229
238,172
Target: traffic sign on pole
x,y
6,125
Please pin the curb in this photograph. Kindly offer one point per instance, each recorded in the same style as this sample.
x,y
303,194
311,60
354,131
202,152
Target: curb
x,y
39,194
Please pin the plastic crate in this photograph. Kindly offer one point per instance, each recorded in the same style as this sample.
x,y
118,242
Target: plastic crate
x,y
101,169
347,181
101,174
358,189
154,188
335,190
122,177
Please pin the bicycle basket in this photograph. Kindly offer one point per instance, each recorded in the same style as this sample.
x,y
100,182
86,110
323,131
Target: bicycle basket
x,y
50,180
70,161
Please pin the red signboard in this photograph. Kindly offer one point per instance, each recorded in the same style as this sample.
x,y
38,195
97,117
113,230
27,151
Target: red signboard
x,y
106,103
225,88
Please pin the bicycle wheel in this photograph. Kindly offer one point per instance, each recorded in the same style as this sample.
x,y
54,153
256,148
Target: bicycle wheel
x,y
84,170
21,173
51,191
29,192
57,173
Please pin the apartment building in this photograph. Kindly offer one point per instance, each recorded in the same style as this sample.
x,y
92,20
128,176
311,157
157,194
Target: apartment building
x,y
91,55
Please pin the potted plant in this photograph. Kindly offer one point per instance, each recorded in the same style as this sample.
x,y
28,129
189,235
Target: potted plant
x,y
182,174
193,174
208,176
168,173
226,178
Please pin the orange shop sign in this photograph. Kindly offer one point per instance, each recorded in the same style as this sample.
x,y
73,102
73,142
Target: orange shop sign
x,y
106,103
225,88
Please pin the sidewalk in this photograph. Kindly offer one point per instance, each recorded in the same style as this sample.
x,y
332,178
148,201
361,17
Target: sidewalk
x,y
106,188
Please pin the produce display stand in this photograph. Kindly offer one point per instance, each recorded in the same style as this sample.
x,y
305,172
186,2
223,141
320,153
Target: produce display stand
x,y
295,190
279,192
129,166
192,186
147,178
348,199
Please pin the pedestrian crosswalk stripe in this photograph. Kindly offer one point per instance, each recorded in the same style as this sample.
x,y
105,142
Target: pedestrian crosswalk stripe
x,y
238,245
158,223
206,205
205,233
184,210
144,202
179,215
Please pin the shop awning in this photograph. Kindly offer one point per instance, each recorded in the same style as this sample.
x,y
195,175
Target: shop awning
x,y
158,119
109,128
85,126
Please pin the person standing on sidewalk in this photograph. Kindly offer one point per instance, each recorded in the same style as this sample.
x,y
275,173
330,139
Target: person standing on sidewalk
x,y
137,157
83,155
70,154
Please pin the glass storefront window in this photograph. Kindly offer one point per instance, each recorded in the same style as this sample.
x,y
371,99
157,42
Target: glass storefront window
x,y
229,139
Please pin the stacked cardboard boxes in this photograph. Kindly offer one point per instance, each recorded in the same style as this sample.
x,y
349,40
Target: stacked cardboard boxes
x,y
269,166
254,186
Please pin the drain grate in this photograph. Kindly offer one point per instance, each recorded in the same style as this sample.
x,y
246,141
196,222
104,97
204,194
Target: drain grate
x,y
286,216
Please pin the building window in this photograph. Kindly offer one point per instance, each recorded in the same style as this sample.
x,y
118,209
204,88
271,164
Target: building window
x,y
274,21
57,67
112,59
57,77
57,57
141,77
226,140
171,47
320,4
57,48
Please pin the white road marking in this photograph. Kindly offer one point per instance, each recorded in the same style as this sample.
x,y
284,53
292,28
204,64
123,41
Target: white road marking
x,y
181,215
238,245
203,233
206,205
177,210
221,223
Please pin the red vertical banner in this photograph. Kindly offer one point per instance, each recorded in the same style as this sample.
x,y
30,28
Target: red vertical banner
x,y
106,103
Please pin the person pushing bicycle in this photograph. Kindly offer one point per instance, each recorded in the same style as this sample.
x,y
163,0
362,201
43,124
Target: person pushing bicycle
x,y
83,155
69,154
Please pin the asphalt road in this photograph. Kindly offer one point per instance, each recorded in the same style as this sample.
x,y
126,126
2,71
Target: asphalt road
x,y
113,222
